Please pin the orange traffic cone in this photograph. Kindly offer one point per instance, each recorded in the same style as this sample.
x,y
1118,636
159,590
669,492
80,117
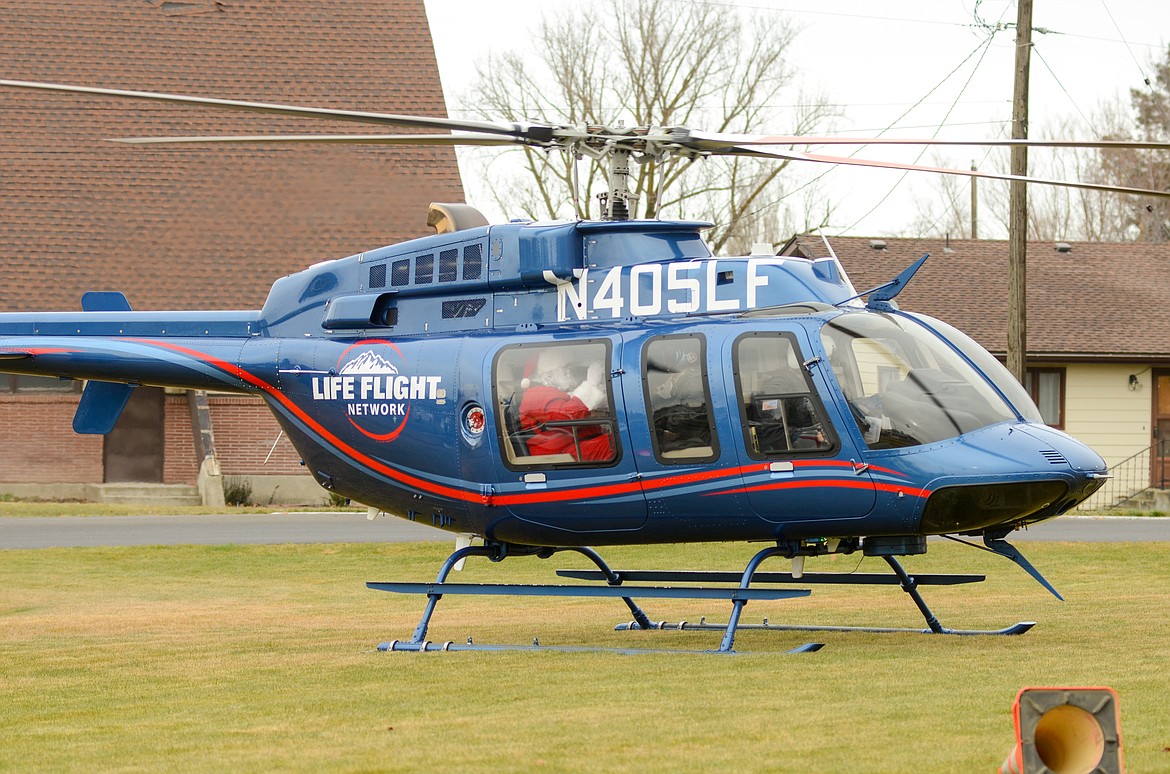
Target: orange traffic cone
x,y
1065,731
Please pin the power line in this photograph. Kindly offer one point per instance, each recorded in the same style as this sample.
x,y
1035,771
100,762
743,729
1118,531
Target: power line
x,y
1055,77
984,45
1145,78
975,69
978,25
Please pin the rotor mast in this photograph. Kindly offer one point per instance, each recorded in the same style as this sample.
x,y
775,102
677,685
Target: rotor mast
x,y
617,202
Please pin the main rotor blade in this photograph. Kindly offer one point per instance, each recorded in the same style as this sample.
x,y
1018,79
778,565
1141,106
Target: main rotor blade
x,y
845,161
717,142
534,133
337,139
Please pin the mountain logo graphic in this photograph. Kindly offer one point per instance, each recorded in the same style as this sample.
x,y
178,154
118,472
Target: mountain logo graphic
x,y
369,363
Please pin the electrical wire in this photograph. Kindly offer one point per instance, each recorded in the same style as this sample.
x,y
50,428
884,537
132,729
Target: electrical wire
x,y
1055,77
952,203
1145,78
975,69
983,45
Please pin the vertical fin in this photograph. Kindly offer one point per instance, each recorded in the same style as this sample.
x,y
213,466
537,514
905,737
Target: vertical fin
x,y
100,406
104,301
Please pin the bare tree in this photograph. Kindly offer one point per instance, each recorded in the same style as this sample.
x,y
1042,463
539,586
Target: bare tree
x,y
1101,216
691,64
1149,169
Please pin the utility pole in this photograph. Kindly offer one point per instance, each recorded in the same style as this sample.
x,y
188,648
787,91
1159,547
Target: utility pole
x,y
974,205
1017,343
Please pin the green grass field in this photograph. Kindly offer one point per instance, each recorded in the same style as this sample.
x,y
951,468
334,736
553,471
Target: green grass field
x,y
262,658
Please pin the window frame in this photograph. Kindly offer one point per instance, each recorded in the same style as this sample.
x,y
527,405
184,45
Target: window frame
x,y
704,375
504,437
827,428
1033,388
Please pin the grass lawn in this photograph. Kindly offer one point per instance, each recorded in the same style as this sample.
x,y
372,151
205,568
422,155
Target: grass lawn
x,y
255,658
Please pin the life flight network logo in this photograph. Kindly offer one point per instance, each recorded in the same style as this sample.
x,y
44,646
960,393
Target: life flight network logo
x,y
372,390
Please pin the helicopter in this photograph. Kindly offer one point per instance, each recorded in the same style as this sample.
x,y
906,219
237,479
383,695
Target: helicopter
x,y
543,387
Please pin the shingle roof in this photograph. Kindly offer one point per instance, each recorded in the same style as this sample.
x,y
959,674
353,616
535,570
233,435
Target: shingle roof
x,y
1099,300
199,226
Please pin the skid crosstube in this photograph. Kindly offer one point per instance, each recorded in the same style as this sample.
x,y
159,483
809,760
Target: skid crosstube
x,y
717,576
908,583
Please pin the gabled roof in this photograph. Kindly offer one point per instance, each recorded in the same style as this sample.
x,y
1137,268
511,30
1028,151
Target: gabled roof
x,y
1096,301
205,226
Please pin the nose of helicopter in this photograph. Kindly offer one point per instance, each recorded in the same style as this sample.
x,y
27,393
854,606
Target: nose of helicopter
x,y
1078,455
1028,474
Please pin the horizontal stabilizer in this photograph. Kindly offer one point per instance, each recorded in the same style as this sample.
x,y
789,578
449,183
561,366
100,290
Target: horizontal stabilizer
x,y
101,405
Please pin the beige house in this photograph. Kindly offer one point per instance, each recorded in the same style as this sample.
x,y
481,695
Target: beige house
x,y
1098,331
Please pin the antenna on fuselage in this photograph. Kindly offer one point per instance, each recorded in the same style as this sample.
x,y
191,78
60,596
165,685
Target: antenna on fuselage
x,y
881,295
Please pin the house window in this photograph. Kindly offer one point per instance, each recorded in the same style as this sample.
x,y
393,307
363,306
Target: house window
x,y
21,384
1046,386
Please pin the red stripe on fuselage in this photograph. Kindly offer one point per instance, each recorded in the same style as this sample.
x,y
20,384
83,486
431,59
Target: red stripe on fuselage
x,y
542,496
373,464
837,483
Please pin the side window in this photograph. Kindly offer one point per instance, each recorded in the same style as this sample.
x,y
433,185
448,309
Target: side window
x,y
554,404
674,372
780,414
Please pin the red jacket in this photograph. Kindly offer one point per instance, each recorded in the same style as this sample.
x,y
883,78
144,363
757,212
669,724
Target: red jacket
x,y
542,404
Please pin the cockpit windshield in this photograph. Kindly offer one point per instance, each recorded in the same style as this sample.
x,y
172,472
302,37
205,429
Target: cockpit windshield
x,y
991,368
904,385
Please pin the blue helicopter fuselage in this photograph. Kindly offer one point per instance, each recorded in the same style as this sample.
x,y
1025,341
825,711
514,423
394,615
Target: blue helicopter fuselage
x,y
704,399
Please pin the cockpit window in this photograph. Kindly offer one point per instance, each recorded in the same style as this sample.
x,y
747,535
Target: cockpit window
x,y
780,413
555,405
991,368
904,385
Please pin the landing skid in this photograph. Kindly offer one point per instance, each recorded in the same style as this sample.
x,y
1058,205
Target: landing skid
x,y
907,582
431,647
614,588
702,625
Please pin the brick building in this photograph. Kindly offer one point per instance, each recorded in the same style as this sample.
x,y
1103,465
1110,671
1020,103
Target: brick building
x,y
196,227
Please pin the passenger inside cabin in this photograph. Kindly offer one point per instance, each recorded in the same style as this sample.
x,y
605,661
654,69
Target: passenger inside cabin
x,y
555,402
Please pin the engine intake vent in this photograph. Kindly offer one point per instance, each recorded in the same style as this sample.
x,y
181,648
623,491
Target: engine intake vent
x,y
467,307
1053,456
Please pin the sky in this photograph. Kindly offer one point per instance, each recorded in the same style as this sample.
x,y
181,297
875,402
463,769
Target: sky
x,y
886,67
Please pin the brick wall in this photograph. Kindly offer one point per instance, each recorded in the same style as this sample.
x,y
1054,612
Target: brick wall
x,y
245,431
38,445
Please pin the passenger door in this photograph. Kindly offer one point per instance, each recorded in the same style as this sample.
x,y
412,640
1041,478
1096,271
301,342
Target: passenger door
x,y
672,409
796,465
565,460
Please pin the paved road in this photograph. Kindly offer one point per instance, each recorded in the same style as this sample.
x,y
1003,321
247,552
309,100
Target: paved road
x,y
257,528
66,531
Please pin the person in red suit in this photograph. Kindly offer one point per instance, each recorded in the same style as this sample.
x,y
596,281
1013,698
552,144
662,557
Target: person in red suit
x,y
554,395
